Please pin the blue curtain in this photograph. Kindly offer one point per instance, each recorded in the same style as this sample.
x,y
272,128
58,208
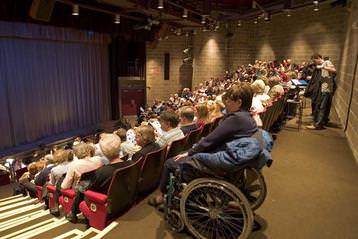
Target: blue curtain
x,y
51,80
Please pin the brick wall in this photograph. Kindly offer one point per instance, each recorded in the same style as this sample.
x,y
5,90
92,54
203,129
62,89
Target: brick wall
x,y
209,55
157,87
302,34
348,77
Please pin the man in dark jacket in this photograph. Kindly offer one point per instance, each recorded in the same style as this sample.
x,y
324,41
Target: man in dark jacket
x,y
236,124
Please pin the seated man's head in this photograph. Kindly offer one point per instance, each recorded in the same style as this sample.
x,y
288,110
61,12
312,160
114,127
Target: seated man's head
x,y
144,135
238,98
168,120
83,150
186,115
110,146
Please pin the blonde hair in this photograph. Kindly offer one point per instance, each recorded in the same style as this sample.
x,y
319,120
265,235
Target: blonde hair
x,y
110,146
83,150
202,111
63,155
146,133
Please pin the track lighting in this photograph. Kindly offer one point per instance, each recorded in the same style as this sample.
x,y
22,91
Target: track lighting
x,y
185,13
316,6
75,10
203,20
267,16
160,4
117,19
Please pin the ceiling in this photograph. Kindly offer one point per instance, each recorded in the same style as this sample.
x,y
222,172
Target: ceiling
x,y
98,15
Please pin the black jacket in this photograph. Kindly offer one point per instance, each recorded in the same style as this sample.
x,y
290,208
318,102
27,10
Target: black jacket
x,y
233,126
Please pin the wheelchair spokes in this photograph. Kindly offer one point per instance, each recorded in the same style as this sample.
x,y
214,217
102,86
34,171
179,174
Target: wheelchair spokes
x,y
207,213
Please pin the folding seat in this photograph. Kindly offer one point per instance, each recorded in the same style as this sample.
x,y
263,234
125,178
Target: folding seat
x,y
52,197
68,195
194,137
216,123
206,129
150,171
178,146
39,193
101,209
66,200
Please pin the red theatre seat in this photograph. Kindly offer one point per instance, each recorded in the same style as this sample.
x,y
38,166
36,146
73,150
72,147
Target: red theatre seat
x,y
101,209
150,171
66,200
39,193
51,190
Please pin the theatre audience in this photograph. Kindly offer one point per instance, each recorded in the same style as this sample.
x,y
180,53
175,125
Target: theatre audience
x,y
128,147
62,159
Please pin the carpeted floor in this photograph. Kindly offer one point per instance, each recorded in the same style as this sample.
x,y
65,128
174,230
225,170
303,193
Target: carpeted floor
x,y
312,192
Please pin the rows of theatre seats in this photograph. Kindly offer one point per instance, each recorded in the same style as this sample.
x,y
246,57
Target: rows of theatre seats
x,y
132,183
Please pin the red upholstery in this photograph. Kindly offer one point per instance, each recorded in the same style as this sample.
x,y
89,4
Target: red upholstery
x,y
96,197
99,209
95,209
39,193
66,200
51,189
150,171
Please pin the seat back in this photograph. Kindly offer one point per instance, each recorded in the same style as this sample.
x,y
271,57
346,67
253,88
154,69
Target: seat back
x,y
150,171
193,137
207,129
20,172
177,147
121,191
216,122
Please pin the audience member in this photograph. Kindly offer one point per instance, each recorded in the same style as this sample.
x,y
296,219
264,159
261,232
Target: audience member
x,y
169,124
187,123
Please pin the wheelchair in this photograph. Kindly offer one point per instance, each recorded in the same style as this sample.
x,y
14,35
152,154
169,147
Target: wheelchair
x,y
215,208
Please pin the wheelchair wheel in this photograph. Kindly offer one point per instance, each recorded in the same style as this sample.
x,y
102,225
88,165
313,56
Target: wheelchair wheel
x,y
175,221
215,209
252,184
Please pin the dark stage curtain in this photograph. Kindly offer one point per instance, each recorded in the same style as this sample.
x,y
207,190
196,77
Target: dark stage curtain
x,y
51,80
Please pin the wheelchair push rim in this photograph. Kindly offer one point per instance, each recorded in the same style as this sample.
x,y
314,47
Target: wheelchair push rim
x,y
207,213
252,184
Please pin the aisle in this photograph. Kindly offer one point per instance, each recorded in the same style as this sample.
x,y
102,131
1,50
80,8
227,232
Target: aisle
x,y
312,192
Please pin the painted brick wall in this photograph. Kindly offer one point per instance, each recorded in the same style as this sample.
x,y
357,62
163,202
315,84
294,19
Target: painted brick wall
x,y
302,34
157,87
348,78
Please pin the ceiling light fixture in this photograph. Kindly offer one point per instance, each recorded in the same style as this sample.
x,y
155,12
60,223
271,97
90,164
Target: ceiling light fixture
x,y
185,13
160,4
75,10
203,20
255,21
288,12
117,19
316,6
267,16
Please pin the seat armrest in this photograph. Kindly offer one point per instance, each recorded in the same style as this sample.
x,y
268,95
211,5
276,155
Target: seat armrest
x,y
96,197
68,193
51,188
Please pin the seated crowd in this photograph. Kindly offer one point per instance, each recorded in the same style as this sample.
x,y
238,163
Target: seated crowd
x,y
237,100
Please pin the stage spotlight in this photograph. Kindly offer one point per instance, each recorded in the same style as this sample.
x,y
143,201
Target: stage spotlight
x,y
75,10
160,4
117,19
185,13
